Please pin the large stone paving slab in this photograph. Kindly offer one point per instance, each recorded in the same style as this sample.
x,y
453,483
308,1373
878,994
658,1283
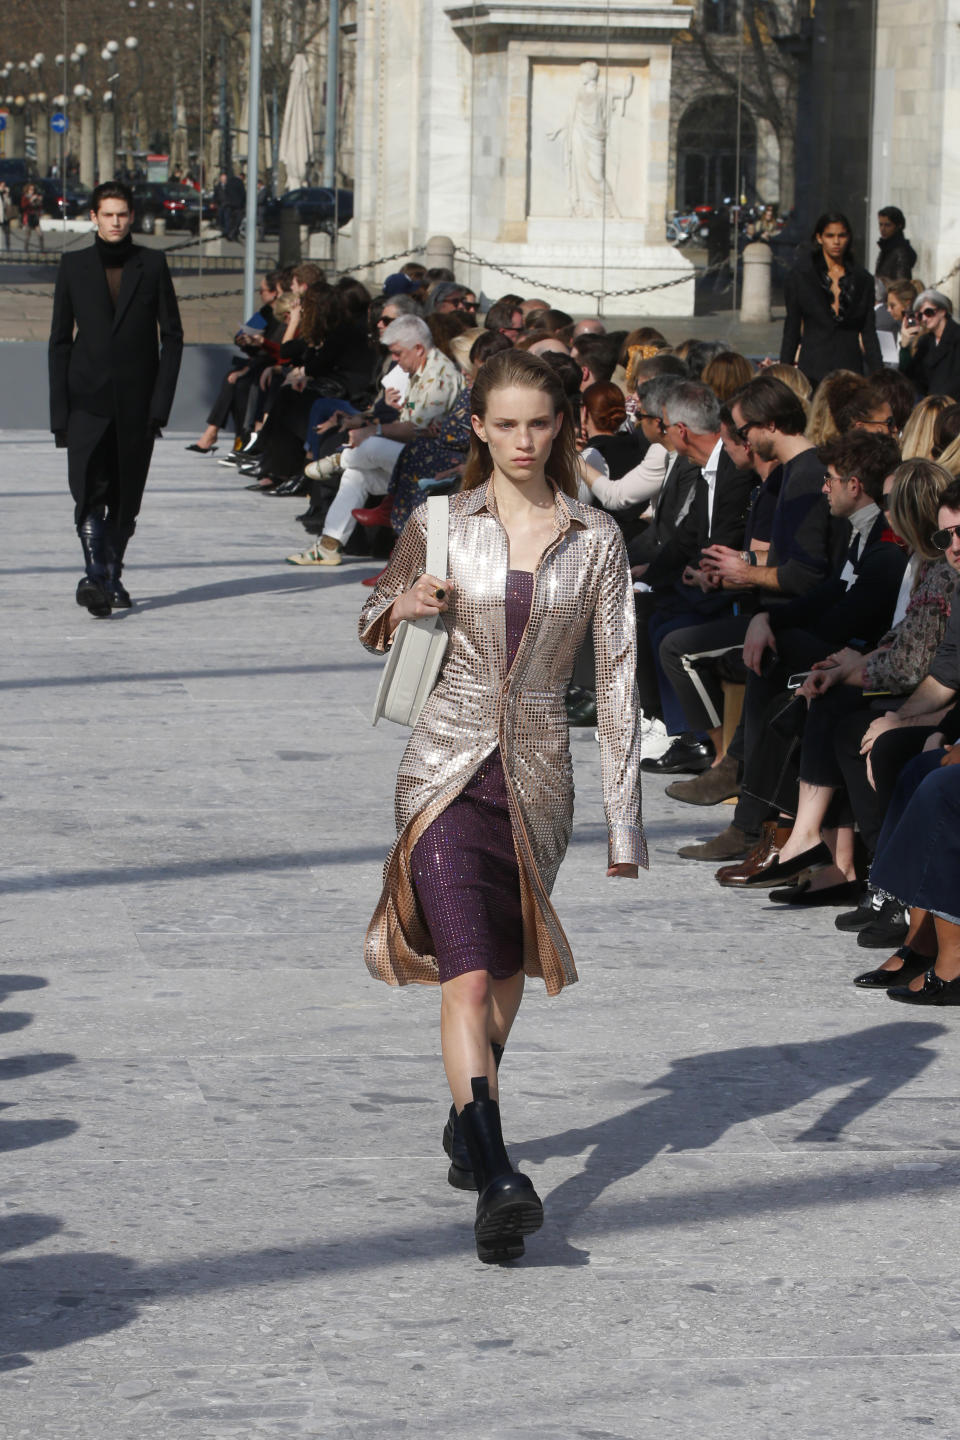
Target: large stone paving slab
x,y
223,1208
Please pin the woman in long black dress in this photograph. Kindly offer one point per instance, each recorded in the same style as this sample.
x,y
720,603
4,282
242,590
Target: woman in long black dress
x,y
830,317
484,795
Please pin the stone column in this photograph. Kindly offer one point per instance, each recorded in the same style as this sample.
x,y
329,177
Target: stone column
x,y
106,145
755,300
41,130
439,254
16,133
88,148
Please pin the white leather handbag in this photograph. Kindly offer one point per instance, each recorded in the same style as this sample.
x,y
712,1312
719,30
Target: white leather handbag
x,y
418,645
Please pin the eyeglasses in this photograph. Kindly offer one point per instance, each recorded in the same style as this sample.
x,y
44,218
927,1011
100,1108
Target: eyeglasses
x,y
657,420
927,313
829,479
888,424
943,539
743,433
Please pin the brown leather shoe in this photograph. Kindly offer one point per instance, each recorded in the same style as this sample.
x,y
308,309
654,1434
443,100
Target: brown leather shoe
x,y
772,839
730,844
715,785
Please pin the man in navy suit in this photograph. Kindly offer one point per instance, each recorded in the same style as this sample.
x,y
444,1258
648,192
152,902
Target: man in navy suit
x,y
115,348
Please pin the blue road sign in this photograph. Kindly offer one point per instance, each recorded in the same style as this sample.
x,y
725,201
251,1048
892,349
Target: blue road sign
x,y
3,122
58,122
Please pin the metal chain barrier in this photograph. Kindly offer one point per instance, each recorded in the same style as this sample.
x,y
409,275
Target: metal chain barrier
x,y
462,254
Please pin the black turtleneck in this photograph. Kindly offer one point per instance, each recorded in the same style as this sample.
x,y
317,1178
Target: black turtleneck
x,y
113,257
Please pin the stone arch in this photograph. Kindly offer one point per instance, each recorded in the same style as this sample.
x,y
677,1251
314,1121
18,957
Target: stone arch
x,y
706,148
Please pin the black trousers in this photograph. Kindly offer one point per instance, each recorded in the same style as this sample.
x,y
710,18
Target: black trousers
x,y
892,751
772,731
699,689
231,403
97,479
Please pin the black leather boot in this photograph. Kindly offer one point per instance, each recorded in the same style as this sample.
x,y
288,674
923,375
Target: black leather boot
x,y
460,1175
93,590
508,1207
117,541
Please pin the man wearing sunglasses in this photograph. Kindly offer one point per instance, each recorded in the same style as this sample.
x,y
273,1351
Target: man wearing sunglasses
x,y
930,345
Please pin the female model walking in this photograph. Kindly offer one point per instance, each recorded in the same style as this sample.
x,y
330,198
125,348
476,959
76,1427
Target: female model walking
x,y
830,322
484,799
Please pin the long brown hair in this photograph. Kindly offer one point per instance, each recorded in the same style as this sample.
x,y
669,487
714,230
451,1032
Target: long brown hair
x,y
519,368
914,502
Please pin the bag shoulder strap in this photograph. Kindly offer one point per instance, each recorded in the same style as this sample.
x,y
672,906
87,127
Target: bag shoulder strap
x,y
438,522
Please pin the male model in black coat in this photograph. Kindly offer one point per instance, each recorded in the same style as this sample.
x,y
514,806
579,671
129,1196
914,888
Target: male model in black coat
x,y
111,384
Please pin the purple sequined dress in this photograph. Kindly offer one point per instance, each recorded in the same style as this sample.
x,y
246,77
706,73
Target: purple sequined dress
x,y
465,864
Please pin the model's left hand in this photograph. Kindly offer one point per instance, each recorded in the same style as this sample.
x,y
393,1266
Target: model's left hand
x,y
623,871
952,756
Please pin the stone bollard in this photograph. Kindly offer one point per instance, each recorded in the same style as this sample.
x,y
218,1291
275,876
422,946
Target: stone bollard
x,y
439,253
755,299
160,225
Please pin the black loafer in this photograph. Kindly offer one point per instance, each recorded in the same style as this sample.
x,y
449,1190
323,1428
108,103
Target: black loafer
x,y
686,756
803,896
933,991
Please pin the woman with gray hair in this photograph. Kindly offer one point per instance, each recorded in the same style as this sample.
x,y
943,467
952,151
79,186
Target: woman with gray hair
x,y
930,345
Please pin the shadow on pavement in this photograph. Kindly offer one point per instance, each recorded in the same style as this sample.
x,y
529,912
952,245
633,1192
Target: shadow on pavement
x,y
24,1134
56,1300
191,870
286,582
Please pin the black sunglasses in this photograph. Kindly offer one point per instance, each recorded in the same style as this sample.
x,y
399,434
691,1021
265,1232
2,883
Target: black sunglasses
x,y
642,415
927,313
743,433
943,539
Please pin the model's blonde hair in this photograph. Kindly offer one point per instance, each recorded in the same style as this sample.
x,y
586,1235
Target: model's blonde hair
x,y
914,502
518,368
918,433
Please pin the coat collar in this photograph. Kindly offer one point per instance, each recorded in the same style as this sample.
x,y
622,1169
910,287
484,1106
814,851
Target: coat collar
x,y
567,511
132,274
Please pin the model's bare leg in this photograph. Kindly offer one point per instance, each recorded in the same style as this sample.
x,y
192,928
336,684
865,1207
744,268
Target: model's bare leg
x,y
505,997
466,1016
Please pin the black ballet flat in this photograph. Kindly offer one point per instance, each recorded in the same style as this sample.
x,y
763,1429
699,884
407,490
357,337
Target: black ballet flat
x,y
804,896
934,991
913,965
201,449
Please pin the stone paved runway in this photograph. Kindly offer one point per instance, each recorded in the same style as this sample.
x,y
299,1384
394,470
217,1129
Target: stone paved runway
x,y
223,1208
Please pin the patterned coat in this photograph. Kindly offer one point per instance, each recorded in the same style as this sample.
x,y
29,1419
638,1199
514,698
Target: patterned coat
x,y
583,579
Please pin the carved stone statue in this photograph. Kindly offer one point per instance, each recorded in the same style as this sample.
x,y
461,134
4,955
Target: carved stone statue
x,y
585,135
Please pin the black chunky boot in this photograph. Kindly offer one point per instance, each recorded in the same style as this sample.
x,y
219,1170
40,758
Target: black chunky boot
x,y
460,1175
508,1207
117,542
93,589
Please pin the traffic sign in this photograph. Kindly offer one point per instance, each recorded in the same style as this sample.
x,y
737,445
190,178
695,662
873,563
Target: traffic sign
x,y
58,122
3,122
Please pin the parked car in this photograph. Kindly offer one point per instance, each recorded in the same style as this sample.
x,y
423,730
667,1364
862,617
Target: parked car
x,y
314,205
70,203
178,205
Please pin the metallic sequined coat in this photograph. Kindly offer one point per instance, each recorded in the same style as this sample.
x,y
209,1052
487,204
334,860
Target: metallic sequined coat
x,y
583,578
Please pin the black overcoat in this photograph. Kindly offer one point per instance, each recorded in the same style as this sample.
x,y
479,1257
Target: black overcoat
x,y
118,365
827,341
933,368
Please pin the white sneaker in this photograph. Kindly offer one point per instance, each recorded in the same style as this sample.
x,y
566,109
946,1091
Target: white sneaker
x,y
654,740
317,555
